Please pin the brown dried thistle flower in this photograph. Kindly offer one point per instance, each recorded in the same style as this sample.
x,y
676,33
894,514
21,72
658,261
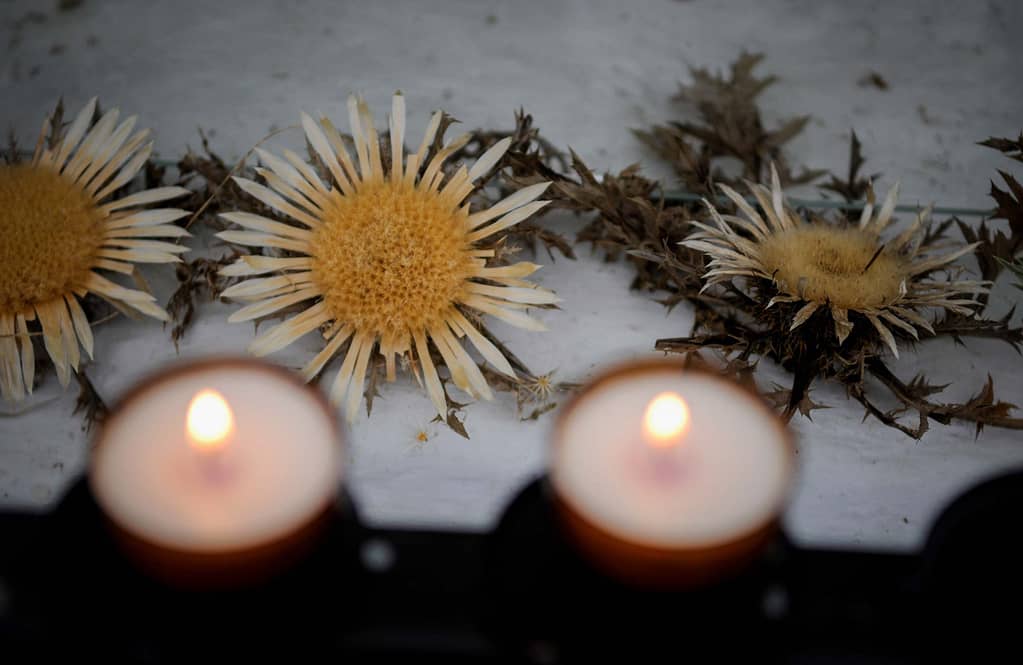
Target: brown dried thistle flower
x,y
61,225
732,320
848,270
388,256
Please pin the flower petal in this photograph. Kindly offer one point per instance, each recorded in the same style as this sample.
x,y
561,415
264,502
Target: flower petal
x,y
315,366
511,202
488,159
509,220
433,385
803,314
886,334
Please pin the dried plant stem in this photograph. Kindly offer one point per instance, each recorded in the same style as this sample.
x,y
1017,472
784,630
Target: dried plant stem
x,y
942,413
858,393
958,327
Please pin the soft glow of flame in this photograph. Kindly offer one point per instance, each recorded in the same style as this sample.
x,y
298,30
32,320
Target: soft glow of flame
x,y
210,421
666,420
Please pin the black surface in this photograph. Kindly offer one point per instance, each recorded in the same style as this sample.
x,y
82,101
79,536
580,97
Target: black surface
x,y
518,594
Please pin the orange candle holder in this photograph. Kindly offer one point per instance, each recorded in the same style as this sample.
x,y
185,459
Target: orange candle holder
x,y
652,546
195,519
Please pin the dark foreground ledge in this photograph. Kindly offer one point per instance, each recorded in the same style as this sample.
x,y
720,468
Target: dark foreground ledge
x,y
517,594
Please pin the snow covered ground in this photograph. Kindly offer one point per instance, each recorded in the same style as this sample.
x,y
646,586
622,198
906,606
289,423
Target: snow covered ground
x,y
587,71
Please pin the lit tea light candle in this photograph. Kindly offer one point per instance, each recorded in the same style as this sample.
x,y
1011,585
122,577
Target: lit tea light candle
x,y
666,420
210,421
217,471
669,476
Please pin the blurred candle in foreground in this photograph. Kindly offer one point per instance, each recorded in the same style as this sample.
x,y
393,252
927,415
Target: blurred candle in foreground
x,y
668,476
217,470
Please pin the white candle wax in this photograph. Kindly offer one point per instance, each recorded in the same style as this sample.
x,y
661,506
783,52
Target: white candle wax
x,y
275,468
629,465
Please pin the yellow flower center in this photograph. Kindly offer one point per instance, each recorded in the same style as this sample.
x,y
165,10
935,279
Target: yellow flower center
x,y
822,264
391,258
50,232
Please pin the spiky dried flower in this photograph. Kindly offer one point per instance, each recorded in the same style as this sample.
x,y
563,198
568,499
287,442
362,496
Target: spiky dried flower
x,y
732,326
62,224
388,256
850,270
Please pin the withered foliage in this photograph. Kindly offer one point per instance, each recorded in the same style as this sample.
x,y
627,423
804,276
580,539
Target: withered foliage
x,y
209,177
631,220
89,403
854,187
1012,148
728,125
732,327
1017,270
198,279
214,191
1000,246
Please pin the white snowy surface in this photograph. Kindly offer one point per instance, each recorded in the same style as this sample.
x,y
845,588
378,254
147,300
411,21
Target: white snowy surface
x,y
587,71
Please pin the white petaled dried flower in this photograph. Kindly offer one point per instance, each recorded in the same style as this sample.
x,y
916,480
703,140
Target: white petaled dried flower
x,y
387,258
60,227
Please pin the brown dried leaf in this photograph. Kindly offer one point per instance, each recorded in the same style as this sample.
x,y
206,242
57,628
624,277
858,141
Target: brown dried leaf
x,y
730,127
199,278
1013,148
854,187
89,403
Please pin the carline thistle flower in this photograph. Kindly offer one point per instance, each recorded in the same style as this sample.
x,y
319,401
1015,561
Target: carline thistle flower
x,y
389,258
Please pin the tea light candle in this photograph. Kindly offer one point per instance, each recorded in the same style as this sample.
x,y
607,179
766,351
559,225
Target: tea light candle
x,y
669,476
217,471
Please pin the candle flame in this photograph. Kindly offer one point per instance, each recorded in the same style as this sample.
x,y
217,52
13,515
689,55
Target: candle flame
x,y
210,421
666,420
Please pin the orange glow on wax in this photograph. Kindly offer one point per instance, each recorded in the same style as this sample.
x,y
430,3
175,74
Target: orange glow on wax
x,y
210,421
666,420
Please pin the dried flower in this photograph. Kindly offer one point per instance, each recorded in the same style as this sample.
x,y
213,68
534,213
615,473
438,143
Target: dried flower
x,y
60,226
387,256
732,320
848,270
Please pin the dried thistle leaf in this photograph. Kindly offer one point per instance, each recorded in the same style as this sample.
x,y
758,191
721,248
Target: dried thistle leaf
x,y
958,327
997,249
730,126
89,403
854,187
781,397
1013,148
1016,269
197,279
